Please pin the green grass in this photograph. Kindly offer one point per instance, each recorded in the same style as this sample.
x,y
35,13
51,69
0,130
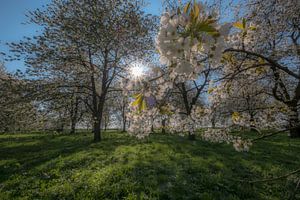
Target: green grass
x,y
41,166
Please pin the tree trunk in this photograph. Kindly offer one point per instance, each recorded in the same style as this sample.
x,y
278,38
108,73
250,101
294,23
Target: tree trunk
x,y
97,131
60,128
163,126
124,125
213,119
252,127
192,136
124,119
295,133
97,123
6,129
74,114
188,107
97,106
97,128
105,125
73,126
213,123
294,123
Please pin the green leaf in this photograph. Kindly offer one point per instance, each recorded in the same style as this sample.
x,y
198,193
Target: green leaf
x,y
210,90
244,23
261,61
186,7
143,106
165,110
205,27
260,70
196,10
238,25
235,117
139,102
252,28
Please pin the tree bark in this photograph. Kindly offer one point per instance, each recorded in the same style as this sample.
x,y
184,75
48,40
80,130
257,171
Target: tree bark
x,y
294,122
74,114
188,107
163,125
123,115
60,129
213,122
252,127
124,125
97,131
73,126
97,101
192,136
105,124
97,127
97,116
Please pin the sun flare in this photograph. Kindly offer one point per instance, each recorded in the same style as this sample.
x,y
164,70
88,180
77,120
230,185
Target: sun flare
x,y
137,70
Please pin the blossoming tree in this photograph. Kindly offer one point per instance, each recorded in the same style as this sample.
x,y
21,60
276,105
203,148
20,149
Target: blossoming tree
x,y
192,43
268,37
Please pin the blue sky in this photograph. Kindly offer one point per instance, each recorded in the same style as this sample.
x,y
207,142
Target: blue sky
x,y
12,15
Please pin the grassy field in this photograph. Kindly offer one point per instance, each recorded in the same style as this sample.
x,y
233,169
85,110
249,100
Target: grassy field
x,y
43,166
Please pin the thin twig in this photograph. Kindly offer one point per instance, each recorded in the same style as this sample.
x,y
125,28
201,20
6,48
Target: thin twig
x,y
276,178
295,191
269,135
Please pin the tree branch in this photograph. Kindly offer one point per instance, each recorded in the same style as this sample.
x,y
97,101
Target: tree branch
x,y
269,60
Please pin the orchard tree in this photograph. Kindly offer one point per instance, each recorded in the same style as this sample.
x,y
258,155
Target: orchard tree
x,y
92,39
17,113
65,108
247,98
189,40
76,109
190,43
269,36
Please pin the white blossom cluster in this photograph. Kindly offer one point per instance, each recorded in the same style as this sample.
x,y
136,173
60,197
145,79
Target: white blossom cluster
x,y
181,124
200,114
174,49
217,136
241,98
243,119
269,118
274,118
162,85
223,136
141,123
181,53
241,145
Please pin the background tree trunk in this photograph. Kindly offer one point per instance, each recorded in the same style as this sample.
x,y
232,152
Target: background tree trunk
x,y
192,136
97,131
252,127
294,122
163,125
73,127
105,124
74,114
124,125
213,122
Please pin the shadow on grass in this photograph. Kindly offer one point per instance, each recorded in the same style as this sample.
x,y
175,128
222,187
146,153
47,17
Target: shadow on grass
x,y
20,153
121,167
